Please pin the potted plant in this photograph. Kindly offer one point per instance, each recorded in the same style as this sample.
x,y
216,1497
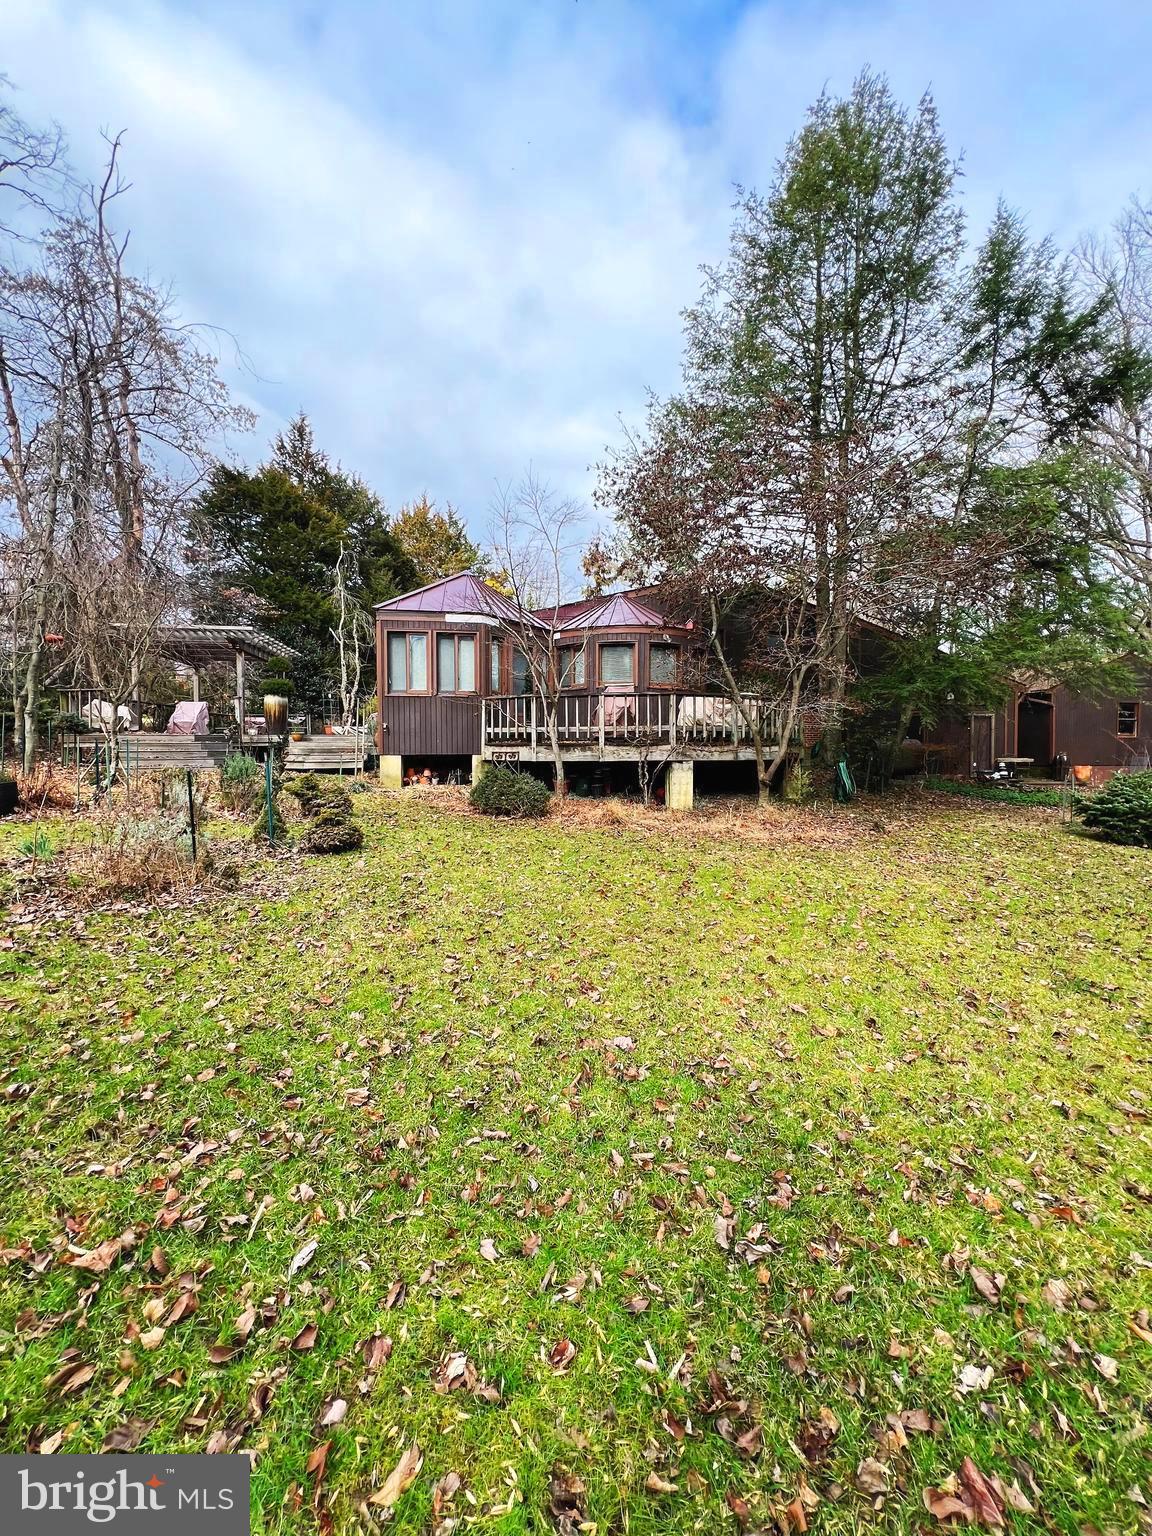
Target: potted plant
x,y
9,793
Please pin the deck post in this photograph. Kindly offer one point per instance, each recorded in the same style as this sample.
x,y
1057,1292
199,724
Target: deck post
x,y
240,692
679,786
600,724
672,708
533,717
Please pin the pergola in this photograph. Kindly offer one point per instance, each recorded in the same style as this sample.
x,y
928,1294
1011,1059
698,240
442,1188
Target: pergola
x,y
199,645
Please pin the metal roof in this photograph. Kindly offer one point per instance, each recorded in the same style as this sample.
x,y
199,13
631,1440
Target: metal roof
x,y
617,612
465,593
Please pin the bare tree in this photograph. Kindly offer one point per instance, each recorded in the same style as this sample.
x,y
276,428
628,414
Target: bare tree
x,y
110,414
351,632
536,535
1120,266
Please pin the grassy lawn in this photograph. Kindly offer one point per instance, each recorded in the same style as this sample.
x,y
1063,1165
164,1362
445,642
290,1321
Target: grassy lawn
x,y
758,1186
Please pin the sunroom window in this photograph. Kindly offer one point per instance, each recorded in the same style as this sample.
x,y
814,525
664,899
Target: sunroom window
x,y
617,663
662,664
571,666
407,663
456,663
1128,719
521,673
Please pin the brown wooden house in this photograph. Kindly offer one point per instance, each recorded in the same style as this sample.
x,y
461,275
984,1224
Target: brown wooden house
x,y
455,688
1047,730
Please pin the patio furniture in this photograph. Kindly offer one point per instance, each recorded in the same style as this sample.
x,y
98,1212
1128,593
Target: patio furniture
x,y
189,718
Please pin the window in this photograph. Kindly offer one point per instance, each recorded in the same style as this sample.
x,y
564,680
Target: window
x,y
1128,719
571,666
521,673
618,663
407,663
456,663
663,664
494,666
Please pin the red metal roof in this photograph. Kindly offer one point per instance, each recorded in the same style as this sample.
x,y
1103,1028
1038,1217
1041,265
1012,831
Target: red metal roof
x,y
615,612
465,593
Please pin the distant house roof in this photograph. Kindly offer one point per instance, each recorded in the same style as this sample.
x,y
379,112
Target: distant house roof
x,y
465,593
614,612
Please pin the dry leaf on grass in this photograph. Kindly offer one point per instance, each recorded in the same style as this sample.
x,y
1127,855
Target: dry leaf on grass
x,y
402,1476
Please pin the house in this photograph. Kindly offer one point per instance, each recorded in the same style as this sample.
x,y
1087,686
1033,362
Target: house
x,y
1053,728
454,682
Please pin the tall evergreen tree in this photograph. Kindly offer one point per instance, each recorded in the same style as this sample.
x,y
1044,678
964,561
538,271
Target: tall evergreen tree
x,y
269,541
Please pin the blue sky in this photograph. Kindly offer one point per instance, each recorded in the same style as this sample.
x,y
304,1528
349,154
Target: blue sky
x,y
460,234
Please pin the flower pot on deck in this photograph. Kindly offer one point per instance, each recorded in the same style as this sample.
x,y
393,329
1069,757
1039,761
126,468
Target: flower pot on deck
x,y
1082,773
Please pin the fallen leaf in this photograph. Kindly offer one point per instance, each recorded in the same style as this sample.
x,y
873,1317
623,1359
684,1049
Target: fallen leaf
x,y
303,1257
654,1483
334,1413
871,1477
402,1476
306,1338
488,1250
561,1355
988,1285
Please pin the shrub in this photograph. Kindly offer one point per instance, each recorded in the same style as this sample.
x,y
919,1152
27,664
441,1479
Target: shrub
x,y
37,845
332,830
241,781
306,789
1121,812
500,792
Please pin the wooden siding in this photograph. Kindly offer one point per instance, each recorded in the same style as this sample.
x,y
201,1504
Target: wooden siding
x,y
429,724
1083,729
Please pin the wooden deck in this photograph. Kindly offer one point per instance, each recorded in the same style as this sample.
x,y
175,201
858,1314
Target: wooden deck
x,y
627,727
328,754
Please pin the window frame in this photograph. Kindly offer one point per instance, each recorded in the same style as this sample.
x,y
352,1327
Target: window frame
x,y
496,652
409,635
665,645
572,650
631,645
456,635
1134,706
518,651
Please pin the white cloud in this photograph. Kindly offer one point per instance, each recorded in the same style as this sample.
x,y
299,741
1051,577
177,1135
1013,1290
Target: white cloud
x,y
460,236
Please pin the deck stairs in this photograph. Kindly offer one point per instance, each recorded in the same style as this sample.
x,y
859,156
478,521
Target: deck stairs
x,y
148,752
327,754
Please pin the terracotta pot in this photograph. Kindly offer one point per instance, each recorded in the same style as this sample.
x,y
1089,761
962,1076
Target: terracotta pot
x,y
1082,773
328,731
297,735
275,714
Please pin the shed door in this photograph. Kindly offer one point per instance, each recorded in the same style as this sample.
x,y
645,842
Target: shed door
x,y
982,740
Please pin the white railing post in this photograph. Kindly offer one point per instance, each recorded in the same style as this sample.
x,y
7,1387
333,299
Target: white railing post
x,y
673,705
532,702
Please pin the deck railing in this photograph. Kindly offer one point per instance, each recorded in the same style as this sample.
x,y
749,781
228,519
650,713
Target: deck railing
x,y
624,719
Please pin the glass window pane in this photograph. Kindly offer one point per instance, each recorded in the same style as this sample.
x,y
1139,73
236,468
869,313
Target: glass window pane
x,y
397,663
417,663
616,663
494,665
521,673
572,666
466,655
446,663
662,664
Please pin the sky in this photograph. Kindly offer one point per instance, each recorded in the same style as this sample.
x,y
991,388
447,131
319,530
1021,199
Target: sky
x,y
460,235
